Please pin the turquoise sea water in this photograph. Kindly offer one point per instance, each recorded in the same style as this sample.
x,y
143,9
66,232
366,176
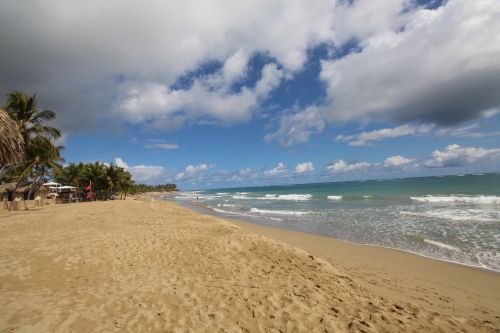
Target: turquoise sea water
x,y
453,218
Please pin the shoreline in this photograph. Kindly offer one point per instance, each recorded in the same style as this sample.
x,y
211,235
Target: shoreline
x,y
145,265
440,272
203,209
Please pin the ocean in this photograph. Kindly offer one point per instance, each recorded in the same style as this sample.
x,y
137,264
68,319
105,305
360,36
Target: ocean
x,y
452,218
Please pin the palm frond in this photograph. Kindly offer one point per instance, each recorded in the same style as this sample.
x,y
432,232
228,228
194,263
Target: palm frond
x,y
44,115
11,140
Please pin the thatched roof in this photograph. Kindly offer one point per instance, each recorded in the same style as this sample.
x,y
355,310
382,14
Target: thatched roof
x,y
21,187
11,140
7,187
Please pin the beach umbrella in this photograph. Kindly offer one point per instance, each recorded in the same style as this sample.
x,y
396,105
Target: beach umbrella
x,y
51,184
11,141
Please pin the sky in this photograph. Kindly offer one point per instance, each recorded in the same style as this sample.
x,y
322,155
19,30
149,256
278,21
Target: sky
x,y
213,94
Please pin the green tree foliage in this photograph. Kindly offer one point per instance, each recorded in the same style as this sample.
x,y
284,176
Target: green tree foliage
x,y
106,179
24,110
141,188
41,156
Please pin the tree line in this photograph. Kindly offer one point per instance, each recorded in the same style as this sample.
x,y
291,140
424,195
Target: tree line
x,y
30,153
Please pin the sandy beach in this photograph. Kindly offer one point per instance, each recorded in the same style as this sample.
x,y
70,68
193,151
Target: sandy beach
x,y
144,266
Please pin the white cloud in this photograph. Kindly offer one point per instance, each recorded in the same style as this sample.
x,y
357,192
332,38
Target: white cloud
x,y
210,97
455,155
475,130
411,64
340,166
469,131
367,138
168,40
364,19
397,160
246,174
162,145
304,167
192,172
491,112
148,174
297,127
443,67
279,169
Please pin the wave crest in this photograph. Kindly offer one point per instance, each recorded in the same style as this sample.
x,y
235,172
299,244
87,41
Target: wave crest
x,y
278,212
287,197
477,200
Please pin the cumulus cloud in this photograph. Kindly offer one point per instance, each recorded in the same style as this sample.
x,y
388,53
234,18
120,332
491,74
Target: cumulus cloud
x,y
455,155
442,67
147,174
367,138
193,172
340,166
243,175
304,167
279,169
297,127
209,97
78,55
410,63
397,160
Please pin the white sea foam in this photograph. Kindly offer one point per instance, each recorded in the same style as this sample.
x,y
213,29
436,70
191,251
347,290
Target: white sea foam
x,y
228,212
489,260
367,196
479,215
225,205
442,245
241,197
222,193
287,197
477,200
241,214
211,197
278,212
189,197
334,197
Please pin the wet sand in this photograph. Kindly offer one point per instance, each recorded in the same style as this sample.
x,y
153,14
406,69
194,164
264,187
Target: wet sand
x,y
143,266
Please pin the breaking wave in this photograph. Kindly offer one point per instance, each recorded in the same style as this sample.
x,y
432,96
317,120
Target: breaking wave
x,y
477,200
278,212
288,197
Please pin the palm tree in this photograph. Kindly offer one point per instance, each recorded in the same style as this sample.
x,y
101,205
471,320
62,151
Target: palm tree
x,y
113,176
23,109
96,173
41,157
11,143
71,174
125,183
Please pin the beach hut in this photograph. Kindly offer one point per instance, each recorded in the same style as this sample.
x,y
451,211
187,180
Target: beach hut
x,y
66,194
14,193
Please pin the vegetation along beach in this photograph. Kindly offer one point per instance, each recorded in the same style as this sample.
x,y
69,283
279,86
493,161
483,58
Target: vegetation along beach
x,y
250,166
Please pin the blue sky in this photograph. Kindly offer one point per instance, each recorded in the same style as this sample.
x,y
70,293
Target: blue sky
x,y
264,92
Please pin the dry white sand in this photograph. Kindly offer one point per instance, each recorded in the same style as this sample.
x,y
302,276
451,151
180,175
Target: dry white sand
x,y
142,266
